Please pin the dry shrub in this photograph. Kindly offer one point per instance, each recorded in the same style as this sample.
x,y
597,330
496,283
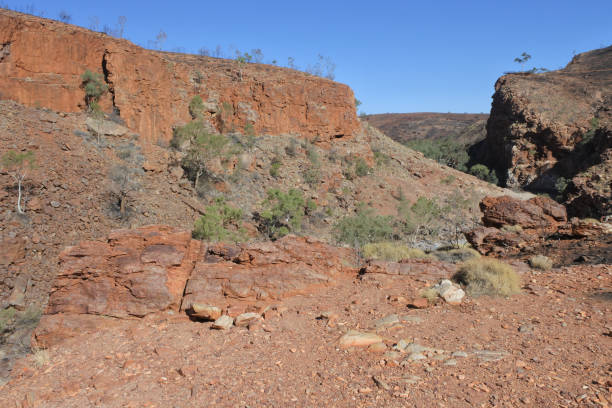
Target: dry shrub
x,y
391,251
429,293
41,357
541,262
456,255
512,228
486,276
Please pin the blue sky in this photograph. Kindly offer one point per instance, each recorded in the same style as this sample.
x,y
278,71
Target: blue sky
x,y
398,56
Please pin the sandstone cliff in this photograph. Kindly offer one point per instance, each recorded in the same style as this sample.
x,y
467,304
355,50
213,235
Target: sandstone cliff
x,y
554,129
41,62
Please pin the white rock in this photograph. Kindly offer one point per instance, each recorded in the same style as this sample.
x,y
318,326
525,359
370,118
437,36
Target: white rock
x,y
223,323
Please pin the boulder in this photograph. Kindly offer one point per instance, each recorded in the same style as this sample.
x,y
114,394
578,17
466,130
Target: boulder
x,y
538,213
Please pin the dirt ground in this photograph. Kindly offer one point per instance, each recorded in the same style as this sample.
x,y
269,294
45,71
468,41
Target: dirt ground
x,y
550,346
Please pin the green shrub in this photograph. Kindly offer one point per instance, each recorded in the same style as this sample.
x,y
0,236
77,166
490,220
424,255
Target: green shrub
x,y
482,172
275,166
363,228
291,149
541,262
486,276
381,159
94,86
446,151
284,212
213,225
392,251
361,167
196,107
420,217
312,154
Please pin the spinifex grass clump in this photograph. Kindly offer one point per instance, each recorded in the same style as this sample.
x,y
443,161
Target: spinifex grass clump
x,y
486,276
392,251
540,262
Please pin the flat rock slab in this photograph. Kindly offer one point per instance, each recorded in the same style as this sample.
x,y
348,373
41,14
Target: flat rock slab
x,y
132,273
263,271
355,338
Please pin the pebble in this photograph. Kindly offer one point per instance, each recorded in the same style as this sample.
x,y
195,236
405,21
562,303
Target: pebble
x,y
223,323
488,355
526,328
55,204
450,362
460,354
378,347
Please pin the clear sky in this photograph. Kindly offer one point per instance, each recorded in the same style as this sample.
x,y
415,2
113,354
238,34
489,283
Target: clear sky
x,y
398,56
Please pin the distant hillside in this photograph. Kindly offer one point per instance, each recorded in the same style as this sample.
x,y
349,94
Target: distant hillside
x,y
467,128
449,138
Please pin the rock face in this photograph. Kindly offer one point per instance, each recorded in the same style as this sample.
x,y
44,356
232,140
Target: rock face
x,y
263,271
547,130
151,90
133,273
147,270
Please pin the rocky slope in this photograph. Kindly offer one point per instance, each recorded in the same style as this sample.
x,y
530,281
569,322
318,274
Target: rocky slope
x,y
468,128
151,90
552,132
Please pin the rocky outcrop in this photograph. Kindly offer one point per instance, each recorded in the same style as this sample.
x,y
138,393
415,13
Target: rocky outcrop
x,y
151,90
512,225
537,213
550,129
135,273
263,271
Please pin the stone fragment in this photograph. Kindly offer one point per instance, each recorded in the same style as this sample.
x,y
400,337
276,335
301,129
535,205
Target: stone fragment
x,y
459,354
448,291
246,319
385,322
355,338
205,312
419,303
377,348
223,323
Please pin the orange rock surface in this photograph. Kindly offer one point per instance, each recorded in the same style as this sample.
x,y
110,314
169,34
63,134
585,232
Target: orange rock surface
x,y
41,62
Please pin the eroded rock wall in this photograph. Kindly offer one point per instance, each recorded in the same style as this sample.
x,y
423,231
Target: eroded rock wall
x,y
556,125
41,62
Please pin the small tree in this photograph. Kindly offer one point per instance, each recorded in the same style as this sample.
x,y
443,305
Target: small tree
x,y
64,17
18,164
522,59
122,184
203,147
94,86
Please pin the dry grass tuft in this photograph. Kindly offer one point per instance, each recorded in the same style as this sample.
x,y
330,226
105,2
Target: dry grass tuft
x,y
391,251
541,262
486,276
429,293
456,255
41,357
512,228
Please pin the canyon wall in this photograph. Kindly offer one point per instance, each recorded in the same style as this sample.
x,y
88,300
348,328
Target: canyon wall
x,y
552,132
41,62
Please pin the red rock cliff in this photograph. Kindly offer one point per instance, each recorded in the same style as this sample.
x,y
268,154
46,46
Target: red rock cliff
x,y
41,62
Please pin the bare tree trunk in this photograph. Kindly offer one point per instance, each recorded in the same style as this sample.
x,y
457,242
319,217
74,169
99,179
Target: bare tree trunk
x,y
19,210
122,206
